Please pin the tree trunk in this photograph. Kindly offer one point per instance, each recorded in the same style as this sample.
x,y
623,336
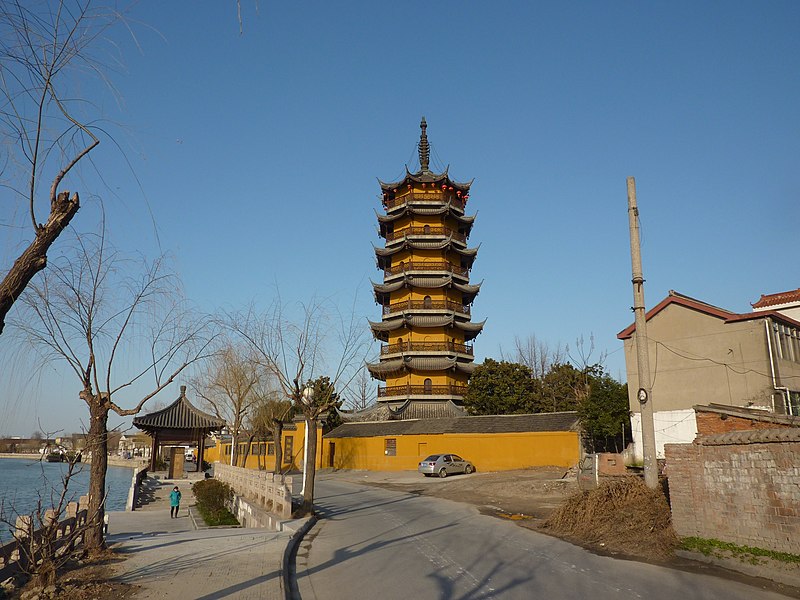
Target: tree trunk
x,y
246,452
97,443
277,441
311,466
34,258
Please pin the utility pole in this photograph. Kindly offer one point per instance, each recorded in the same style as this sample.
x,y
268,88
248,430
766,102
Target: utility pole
x,y
644,394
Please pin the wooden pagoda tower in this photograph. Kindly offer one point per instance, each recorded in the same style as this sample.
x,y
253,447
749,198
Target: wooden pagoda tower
x,y
426,297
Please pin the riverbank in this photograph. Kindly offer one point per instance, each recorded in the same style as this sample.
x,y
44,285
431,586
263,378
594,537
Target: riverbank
x,y
30,456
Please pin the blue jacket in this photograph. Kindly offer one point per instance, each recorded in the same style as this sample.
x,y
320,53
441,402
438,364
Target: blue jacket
x,y
174,498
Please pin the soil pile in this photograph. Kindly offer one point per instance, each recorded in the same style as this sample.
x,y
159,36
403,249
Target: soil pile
x,y
622,516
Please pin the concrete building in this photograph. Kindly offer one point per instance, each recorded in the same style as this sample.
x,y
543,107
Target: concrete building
x,y
703,354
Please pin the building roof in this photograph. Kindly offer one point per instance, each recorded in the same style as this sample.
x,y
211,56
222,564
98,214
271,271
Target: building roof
x,y
564,421
754,436
752,414
775,299
433,208
705,308
181,414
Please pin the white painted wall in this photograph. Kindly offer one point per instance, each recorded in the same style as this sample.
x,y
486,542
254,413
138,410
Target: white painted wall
x,y
672,427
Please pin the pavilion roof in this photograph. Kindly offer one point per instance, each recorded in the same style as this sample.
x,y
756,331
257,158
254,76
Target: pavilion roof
x,y
181,414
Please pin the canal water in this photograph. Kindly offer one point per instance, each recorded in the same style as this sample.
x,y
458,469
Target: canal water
x,y
23,481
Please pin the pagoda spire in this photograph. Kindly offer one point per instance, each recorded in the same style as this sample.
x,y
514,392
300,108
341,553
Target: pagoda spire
x,y
424,148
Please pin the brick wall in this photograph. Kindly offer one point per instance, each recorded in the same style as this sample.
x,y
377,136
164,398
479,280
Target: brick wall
x,y
710,423
741,487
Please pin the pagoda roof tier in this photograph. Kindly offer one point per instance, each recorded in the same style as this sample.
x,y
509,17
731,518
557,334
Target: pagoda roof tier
x,y
427,408
425,245
436,268
426,282
385,368
425,175
428,211
426,233
381,329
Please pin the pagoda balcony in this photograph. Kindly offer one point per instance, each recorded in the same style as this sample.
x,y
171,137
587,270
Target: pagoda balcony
x,y
421,390
396,307
403,347
394,236
434,265
459,203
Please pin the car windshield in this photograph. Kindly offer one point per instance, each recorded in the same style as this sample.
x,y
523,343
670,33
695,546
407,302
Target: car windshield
x,y
432,458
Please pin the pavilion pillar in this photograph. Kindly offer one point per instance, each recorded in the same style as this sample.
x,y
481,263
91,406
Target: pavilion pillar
x,y
154,452
201,448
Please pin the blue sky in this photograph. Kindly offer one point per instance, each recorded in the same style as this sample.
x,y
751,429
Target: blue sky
x,y
256,155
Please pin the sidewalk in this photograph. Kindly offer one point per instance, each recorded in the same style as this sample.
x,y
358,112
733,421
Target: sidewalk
x,y
170,558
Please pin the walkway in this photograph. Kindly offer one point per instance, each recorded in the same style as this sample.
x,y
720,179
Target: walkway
x,y
171,558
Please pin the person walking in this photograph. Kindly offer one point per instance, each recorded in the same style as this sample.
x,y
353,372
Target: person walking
x,y
174,502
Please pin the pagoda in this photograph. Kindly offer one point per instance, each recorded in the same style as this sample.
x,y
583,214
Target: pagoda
x,y
425,297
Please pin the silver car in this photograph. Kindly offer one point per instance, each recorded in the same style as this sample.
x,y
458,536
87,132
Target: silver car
x,y
444,465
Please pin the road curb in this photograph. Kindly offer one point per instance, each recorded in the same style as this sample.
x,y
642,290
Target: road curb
x,y
290,591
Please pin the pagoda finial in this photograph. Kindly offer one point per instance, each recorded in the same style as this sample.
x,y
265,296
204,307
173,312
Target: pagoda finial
x,y
424,148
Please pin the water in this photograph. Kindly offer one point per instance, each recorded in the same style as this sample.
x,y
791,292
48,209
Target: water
x,y
22,479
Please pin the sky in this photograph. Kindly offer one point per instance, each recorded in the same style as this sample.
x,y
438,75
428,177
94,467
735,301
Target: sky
x,y
251,158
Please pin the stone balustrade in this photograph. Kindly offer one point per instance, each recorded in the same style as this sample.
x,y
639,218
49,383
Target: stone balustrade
x,y
268,491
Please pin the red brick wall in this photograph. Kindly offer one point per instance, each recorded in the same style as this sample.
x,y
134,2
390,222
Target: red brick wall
x,y
709,423
745,493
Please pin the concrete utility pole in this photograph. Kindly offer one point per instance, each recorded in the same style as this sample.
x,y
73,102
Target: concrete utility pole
x,y
644,394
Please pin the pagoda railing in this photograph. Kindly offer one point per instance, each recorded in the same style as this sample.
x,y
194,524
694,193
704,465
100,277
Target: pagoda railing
x,y
457,202
422,390
426,347
426,305
433,265
441,231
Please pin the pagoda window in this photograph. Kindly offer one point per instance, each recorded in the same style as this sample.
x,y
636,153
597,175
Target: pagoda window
x,y
427,302
427,385
426,229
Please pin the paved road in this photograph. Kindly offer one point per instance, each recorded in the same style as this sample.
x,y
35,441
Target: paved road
x,y
171,560
376,543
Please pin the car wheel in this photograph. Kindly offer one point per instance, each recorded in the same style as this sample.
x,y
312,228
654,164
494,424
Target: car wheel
x,y
468,469
442,472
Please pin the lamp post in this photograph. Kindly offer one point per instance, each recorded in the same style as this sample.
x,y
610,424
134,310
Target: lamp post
x,y
307,398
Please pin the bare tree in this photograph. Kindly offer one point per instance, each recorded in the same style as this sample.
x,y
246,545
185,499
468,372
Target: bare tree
x,y
269,415
362,393
89,311
45,49
228,386
297,351
538,355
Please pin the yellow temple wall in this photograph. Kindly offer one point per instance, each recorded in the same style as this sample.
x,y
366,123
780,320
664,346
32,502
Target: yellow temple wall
x,y
488,452
291,461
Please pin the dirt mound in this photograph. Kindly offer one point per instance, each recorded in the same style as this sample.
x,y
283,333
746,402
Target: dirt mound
x,y
622,515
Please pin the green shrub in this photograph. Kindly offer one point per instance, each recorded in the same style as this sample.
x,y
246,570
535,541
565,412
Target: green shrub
x,y
213,498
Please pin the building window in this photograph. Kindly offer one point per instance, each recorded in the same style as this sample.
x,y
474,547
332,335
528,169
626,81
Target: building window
x,y
427,385
793,404
426,229
270,449
390,446
427,302
227,449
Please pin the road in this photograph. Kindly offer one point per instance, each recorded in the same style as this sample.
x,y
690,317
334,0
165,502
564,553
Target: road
x,y
377,543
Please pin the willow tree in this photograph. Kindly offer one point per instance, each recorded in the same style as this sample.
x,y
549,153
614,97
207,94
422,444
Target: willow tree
x,y
298,347
121,328
228,386
48,53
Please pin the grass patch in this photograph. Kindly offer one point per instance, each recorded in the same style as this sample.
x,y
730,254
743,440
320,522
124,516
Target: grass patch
x,y
711,547
217,517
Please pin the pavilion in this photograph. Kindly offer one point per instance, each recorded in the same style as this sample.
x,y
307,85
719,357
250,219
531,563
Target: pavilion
x,y
178,423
